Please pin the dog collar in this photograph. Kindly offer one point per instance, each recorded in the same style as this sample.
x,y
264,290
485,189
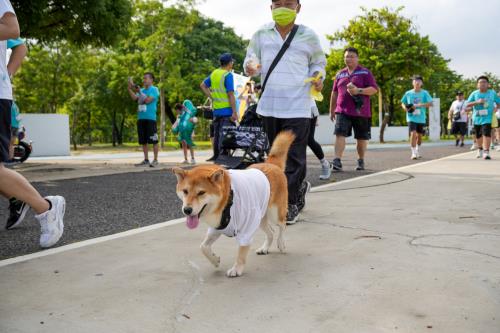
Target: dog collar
x,y
226,213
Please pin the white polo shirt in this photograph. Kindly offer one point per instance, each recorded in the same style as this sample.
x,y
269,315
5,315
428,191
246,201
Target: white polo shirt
x,y
251,192
286,95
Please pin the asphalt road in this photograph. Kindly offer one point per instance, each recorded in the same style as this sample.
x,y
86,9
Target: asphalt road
x,y
104,205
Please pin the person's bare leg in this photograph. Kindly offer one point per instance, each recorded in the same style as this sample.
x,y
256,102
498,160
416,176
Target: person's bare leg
x,y
486,142
192,152
184,150
361,147
146,152
419,139
156,148
413,139
339,146
11,147
479,142
12,184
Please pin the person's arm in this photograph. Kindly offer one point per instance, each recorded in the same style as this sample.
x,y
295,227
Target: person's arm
x,y
206,89
9,27
450,112
333,104
132,94
368,91
370,87
253,55
427,104
232,102
16,58
317,63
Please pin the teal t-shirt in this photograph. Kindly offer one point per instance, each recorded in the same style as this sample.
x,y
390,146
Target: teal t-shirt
x,y
483,113
14,116
12,43
418,116
148,111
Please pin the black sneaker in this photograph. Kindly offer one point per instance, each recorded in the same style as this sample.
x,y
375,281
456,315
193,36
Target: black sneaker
x,y
292,215
457,141
143,163
18,210
305,187
361,165
462,144
211,159
337,164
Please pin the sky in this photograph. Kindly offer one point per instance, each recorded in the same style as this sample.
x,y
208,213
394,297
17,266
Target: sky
x,y
464,32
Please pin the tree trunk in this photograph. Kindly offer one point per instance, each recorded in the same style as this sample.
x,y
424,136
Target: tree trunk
x,y
385,122
120,134
115,134
89,129
73,129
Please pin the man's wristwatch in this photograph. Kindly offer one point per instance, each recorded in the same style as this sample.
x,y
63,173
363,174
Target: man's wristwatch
x,y
360,91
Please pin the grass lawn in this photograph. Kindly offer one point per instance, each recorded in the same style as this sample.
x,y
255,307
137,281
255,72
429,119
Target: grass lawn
x,y
107,148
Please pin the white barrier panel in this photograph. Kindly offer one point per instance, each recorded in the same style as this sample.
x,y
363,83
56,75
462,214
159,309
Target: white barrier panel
x,y
324,132
435,120
49,133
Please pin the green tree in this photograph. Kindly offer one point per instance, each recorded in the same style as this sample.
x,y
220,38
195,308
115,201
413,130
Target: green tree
x,y
82,22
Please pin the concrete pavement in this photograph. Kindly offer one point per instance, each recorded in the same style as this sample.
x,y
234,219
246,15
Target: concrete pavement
x,y
409,250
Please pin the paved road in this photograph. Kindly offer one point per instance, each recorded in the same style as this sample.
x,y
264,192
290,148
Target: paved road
x,y
104,205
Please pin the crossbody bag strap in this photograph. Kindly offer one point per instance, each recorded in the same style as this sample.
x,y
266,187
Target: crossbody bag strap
x,y
280,54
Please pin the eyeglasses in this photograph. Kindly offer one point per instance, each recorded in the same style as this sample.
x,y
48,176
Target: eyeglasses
x,y
287,4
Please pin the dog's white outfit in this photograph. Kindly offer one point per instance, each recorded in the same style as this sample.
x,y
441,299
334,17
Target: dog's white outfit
x,y
251,191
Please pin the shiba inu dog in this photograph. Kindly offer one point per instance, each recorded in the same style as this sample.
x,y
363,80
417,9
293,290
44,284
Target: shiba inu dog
x,y
237,202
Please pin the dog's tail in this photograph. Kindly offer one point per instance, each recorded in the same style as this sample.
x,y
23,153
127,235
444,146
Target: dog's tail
x,y
279,150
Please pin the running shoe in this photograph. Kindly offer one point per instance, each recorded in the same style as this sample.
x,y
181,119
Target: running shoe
x,y
154,164
337,165
143,163
361,165
479,153
326,170
51,222
292,215
17,212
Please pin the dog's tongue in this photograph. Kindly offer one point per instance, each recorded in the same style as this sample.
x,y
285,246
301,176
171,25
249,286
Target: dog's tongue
x,y
192,222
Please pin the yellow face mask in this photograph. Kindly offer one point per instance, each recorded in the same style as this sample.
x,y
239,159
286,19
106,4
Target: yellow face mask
x,y
284,16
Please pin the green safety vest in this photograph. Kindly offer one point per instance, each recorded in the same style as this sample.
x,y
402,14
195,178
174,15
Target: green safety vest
x,y
219,94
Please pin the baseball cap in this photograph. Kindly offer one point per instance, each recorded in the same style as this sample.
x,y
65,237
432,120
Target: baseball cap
x,y
226,58
459,92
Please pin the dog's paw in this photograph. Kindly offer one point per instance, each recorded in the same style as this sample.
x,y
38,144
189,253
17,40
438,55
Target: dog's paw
x,y
262,251
281,245
236,271
215,260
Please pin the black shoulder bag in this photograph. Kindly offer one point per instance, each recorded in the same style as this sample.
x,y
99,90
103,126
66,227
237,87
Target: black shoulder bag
x,y
280,54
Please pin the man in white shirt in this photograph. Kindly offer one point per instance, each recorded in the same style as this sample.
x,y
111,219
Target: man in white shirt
x,y
285,103
458,116
49,210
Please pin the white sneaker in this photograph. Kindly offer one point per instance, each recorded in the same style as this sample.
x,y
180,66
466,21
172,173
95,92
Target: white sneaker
x,y
326,170
51,222
414,156
479,153
418,155
473,147
193,161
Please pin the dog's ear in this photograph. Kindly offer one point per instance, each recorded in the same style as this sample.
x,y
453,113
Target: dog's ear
x,y
217,176
179,173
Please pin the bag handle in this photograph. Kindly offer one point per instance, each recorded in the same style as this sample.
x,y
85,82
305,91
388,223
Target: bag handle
x,y
280,54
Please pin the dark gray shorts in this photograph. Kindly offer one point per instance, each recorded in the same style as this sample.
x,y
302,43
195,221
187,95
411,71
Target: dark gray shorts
x,y
5,134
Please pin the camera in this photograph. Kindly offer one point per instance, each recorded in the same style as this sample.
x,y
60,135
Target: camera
x,y
409,108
